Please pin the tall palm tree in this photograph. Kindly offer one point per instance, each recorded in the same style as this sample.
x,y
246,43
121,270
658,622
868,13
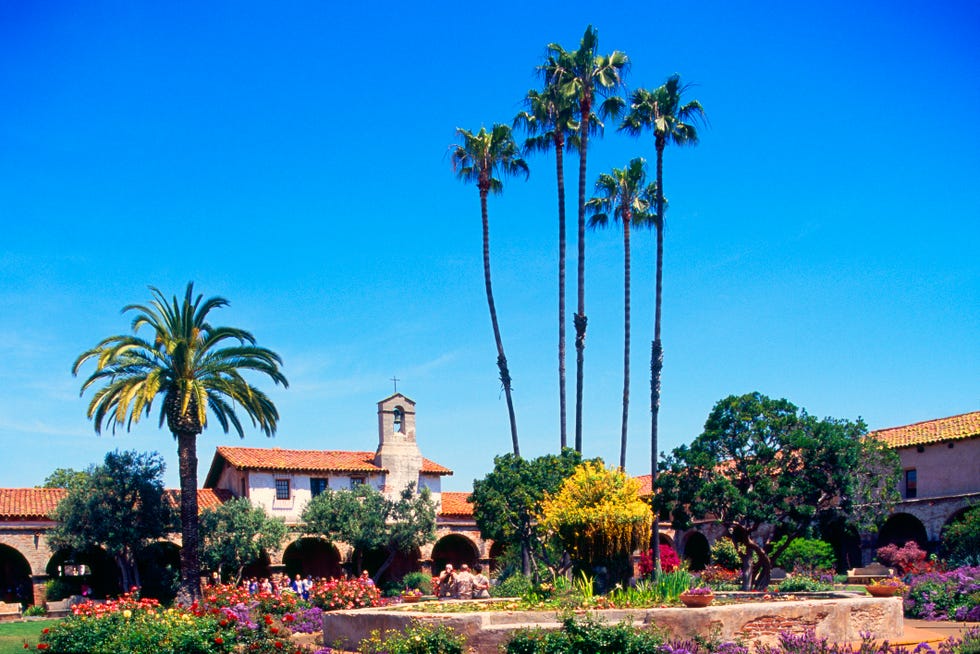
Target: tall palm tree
x,y
188,364
671,121
551,124
483,158
581,74
625,198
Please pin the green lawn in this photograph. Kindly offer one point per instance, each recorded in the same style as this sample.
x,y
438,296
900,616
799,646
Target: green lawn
x,y
13,634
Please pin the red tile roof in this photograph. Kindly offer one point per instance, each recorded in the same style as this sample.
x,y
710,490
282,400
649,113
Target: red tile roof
x,y
941,430
262,458
39,503
207,498
455,504
646,484
29,503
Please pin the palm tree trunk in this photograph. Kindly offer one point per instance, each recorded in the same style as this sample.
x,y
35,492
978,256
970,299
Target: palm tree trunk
x,y
562,404
656,350
190,565
501,358
580,318
626,338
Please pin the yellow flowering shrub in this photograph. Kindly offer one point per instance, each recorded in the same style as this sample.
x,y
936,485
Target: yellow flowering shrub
x,y
598,513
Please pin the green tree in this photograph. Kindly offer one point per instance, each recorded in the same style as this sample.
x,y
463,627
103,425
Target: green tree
x,y
599,517
961,539
483,158
187,363
367,520
118,506
671,121
235,534
65,478
761,463
507,501
580,75
623,197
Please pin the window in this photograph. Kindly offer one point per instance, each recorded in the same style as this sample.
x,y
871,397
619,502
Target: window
x,y
355,482
399,424
910,483
244,488
282,489
317,485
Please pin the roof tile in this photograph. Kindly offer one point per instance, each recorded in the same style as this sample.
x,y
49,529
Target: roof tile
x,y
455,504
29,503
263,458
941,430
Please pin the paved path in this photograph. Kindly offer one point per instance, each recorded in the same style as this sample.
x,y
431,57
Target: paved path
x,y
926,631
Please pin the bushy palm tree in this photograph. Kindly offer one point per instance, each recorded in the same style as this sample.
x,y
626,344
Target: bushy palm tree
x,y
624,197
193,368
581,75
671,121
483,158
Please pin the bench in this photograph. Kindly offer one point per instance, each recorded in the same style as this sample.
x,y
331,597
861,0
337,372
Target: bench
x,y
9,611
869,574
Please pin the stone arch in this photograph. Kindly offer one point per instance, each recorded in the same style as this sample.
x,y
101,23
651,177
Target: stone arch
x,y
92,568
696,550
312,556
15,577
456,549
403,563
900,528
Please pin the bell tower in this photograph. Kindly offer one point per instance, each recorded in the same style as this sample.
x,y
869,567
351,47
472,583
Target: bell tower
x,y
398,453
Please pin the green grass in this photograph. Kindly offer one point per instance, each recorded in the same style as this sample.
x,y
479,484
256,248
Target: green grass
x,y
13,634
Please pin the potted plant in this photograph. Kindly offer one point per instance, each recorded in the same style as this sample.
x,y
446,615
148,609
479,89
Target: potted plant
x,y
888,587
697,597
411,595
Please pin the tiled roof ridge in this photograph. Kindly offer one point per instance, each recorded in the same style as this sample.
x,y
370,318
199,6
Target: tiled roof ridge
x,y
33,502
343,460
936,430
926,422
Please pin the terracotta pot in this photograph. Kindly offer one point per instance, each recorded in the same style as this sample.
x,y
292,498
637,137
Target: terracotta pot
x,y
696,601
883,591
411,599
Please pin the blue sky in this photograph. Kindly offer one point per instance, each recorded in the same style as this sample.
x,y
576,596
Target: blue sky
x,y
292,157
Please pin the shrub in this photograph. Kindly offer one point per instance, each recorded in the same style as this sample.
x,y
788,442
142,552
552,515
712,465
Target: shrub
x,y
725,554
35,609
587,636
952,595
802,583
719,578
961,540
806,555
669,561
419,581
58,588
516,585
344,594
909,559
419,638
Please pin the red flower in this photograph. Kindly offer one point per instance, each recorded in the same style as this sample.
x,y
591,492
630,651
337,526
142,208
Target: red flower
x,y
219,640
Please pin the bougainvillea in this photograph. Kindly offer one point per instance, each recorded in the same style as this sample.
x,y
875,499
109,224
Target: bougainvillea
x,y
669,561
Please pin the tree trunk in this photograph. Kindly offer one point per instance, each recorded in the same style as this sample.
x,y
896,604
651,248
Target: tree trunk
x,y
190,564
656,350
580,319
501,358
755,576
562,403
626,338
384,566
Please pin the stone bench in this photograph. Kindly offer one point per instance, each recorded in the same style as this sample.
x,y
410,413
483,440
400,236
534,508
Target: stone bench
x,y
61,608
868,574
9,611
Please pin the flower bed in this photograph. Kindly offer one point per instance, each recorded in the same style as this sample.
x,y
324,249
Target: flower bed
x,y
228,619
952,595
